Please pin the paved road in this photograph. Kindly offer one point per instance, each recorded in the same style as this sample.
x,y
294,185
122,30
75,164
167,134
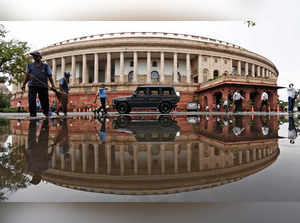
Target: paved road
x,y
77,114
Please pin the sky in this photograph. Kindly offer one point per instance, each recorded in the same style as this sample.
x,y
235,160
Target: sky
x,y
276,34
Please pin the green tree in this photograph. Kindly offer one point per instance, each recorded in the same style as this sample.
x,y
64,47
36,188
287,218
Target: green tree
x,y
13,58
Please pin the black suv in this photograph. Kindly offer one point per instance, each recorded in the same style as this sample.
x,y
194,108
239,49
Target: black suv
x,y
163,98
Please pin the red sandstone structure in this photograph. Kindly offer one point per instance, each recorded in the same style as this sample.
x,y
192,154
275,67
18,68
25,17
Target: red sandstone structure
x,y
203,69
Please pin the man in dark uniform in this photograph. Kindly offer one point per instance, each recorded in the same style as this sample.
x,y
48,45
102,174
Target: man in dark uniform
x,y
37,75
63,86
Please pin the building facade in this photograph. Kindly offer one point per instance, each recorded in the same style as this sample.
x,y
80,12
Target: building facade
x,y
200,68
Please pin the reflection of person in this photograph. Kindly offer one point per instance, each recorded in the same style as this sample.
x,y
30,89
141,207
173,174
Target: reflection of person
x,y
102,131
292,135
63,86
264,101
19,106
38,84
264,126
37,155
238,127
292,94
38,106
62,137
225,105
237,98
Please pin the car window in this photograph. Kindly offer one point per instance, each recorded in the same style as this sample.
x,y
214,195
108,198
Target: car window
x,y
167,91
141,91
154,91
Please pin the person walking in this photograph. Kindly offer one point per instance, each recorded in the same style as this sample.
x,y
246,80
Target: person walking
x,y
264,101
37,75
19,106
64,87
292,94
237,99
102,95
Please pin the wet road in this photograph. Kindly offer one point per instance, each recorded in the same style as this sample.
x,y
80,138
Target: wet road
x,y
151,158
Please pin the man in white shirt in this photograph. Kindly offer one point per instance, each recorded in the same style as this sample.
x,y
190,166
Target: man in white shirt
x,y
264,101
237,99
292,94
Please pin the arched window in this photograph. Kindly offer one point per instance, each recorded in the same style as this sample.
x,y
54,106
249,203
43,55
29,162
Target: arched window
x,y
216,74
130,76
205,74
154,76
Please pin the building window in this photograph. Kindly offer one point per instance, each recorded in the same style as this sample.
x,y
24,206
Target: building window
x,y
154,64
216,60
216,74
154,91
130,76
205,59
225,61
131,63
195,79
154,76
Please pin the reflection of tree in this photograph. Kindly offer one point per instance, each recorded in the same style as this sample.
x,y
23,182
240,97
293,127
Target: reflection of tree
x,y
12,171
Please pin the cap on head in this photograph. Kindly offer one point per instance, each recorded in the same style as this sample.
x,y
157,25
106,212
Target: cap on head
x,y
291,85
36,54
67,74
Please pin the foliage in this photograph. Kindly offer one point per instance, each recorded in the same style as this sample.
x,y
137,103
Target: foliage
x,y
4,100
250,23
12,171
12,110
13,58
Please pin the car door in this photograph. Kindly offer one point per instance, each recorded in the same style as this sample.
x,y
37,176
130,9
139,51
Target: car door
x,y
140,97
154,97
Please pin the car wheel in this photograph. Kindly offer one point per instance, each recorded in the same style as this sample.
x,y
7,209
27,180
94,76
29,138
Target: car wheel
x,y
123,121
165,107
122,107
165,120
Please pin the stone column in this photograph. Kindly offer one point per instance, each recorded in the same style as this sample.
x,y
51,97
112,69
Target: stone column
x,y
176,149
121,67
73,70
149,159
189,157
258,71
63,66
188,68
246,69
122,164
148,67
230,65
53,158
254,154
73,158
200,76
96,157
62,161
253,70
162,67
54,69
84,70
108,68
239,68
135,159
135,66
175,77
240,156
96,68
85,153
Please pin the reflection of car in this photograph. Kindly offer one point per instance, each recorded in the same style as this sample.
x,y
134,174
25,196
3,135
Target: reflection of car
x,y
193,119
193,106
163,98
160,129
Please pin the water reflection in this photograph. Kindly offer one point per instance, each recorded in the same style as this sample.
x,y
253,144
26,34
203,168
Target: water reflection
x,y
146,154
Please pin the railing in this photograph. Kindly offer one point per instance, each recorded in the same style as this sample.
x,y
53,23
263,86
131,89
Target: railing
x,y
148,34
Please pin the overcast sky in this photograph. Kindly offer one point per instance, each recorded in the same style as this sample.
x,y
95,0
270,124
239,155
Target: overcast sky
x,y
276,35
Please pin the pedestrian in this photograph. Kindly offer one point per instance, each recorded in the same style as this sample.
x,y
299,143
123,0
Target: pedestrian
x,y
102,96
19,106
64,87
237,99
207,108
37,75
225,105
292,94
38,106
264,101
218,107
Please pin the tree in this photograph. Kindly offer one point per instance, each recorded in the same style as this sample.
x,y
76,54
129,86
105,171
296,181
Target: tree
x,y
13,58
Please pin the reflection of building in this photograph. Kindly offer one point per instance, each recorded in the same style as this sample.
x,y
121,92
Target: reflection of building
x,y
122,61
125,165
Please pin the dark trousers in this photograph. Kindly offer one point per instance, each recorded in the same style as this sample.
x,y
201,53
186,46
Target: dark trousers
x,y
291,104
264,103
237,106
43,97
103,100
